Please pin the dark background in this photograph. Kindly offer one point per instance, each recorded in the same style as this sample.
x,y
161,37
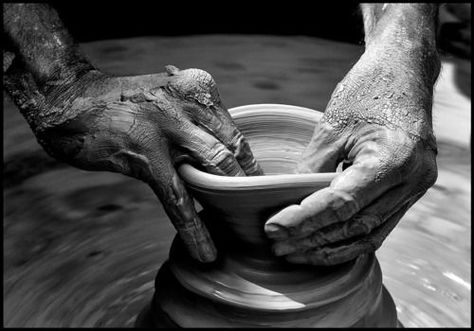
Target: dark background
x,y
90,21
340,21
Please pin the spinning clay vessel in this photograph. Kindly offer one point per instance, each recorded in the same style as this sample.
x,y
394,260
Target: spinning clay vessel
x,y
248,286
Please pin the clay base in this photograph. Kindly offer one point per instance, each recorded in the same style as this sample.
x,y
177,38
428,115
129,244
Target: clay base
x,y
196,311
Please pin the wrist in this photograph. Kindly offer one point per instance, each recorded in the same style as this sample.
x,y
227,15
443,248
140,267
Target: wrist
x,y
46,110
43,44
67,101
404,34
82,86
402,24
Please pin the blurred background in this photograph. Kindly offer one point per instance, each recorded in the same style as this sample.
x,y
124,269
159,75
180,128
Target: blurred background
x,y
328,20
83,248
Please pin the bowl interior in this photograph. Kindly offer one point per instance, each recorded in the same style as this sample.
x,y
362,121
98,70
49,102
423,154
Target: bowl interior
x,y
277,135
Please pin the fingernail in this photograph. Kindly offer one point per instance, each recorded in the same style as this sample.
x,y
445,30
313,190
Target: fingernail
x,y
275,231
207,252
199,245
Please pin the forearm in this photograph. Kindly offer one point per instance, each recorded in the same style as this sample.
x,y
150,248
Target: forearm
x,y
404,32
44,70
392,83
43,44
419,21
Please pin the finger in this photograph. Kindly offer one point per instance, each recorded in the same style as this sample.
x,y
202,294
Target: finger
x,y
349,192
361,224
323,153
210,114
209,152
332,255
217,121
179,206
234,140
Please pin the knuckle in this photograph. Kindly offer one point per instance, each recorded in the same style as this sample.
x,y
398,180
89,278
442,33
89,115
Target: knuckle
x,y
204,76
179,206
221,158
342,204
195,80
238,144
198,74
244,156
195,85
367,223
357,226
373,245
375,165
328,257
325,130
221,154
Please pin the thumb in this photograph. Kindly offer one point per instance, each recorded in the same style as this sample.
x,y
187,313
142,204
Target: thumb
x,y
323,152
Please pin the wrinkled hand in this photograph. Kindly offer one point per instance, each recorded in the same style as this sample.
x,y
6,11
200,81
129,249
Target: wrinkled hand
x,y
142,126
378,123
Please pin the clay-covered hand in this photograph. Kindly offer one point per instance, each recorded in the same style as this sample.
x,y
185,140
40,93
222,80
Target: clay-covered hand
x,y
378,123
142,126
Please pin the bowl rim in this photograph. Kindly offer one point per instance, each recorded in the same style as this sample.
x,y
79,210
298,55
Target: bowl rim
x,y
276,107
197,178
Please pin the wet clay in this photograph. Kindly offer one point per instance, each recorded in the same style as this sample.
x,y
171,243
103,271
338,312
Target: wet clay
x,y
248,286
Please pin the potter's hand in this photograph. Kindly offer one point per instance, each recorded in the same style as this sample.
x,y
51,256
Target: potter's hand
x,y
141,126
138,126
378,122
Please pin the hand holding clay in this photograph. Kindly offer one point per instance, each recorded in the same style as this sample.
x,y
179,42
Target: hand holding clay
x,y
138,126
141,126
378,122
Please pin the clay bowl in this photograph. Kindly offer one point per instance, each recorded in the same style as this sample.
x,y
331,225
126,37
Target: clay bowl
x,y
248,285
238,207
235,210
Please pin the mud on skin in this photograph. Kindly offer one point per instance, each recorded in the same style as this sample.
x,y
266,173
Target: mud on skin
x,y
378,122
139,126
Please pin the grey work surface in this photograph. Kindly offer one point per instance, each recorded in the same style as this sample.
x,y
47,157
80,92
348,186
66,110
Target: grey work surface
x,y
82,248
